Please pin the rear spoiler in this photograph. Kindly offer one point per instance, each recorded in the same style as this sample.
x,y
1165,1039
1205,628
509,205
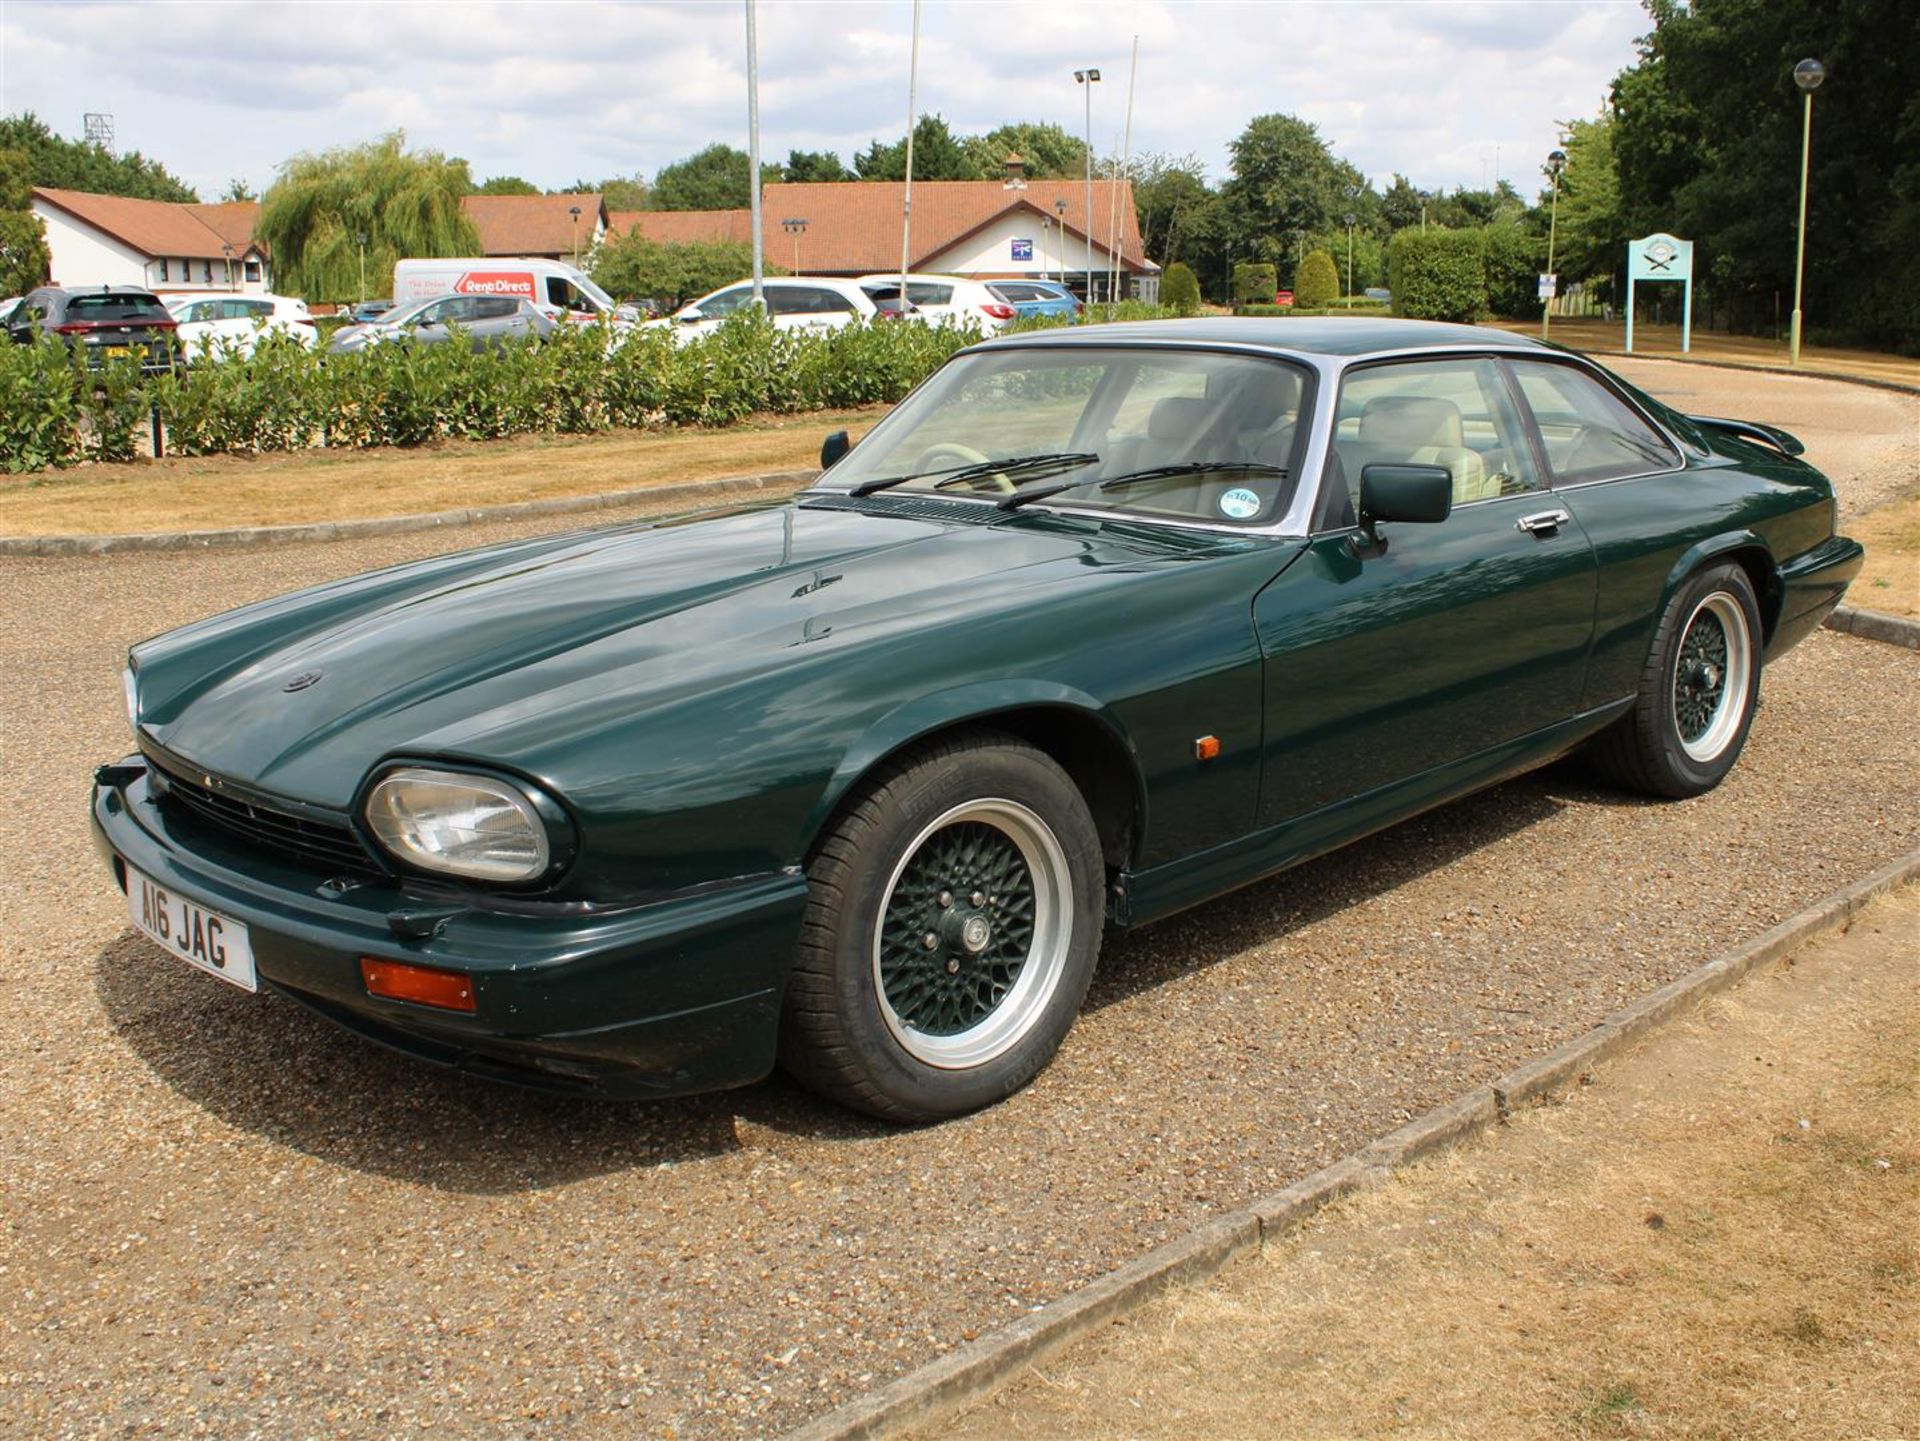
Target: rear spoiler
x,y
1769,435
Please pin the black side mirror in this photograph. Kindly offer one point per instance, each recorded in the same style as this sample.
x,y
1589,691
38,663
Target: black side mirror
x,y
833,447
1412,494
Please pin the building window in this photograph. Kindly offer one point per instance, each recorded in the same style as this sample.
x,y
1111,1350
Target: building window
x,y
206,272
253,272
163,271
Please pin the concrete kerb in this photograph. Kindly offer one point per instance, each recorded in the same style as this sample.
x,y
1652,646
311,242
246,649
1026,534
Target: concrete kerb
x,y
980,1367
1875,625
256,535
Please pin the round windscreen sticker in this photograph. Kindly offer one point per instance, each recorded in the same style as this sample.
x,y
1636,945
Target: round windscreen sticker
x,y
1239,503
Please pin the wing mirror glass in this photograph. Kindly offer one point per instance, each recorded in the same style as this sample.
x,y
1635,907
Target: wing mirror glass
x,y
833,447
1410,494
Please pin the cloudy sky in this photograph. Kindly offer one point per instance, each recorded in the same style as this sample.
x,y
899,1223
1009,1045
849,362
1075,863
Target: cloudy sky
x,y
1449,93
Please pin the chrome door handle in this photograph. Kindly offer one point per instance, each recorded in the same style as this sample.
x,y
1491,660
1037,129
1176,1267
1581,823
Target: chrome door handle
x,y
1542,523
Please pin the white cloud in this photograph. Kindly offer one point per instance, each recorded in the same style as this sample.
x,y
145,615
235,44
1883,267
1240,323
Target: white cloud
x,y
584,89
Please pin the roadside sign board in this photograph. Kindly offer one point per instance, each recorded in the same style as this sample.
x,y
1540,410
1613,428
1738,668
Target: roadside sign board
x,y
1549,285
1023,250
1662,257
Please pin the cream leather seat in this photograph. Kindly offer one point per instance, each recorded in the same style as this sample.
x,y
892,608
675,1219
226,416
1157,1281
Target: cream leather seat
x,y
1419,430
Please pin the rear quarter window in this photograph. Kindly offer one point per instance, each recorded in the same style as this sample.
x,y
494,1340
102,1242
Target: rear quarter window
x,y
1590,434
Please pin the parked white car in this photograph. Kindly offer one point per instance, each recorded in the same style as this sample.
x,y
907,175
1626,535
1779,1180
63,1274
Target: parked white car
x,y
794,304
937,298
214,325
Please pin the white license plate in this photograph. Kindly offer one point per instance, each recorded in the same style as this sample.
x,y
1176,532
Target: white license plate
x,y
215,943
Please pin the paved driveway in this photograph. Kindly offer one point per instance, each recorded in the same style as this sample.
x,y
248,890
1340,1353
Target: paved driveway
x,y
217,1211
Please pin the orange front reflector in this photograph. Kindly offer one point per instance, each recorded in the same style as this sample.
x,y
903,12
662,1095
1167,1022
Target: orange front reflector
x,y
1206,748
423,985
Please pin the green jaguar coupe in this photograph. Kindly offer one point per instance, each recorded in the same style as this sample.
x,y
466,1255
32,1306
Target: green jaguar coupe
x,y
1097,624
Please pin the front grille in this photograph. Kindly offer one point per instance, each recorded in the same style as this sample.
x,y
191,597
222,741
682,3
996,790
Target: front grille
x,y
327,843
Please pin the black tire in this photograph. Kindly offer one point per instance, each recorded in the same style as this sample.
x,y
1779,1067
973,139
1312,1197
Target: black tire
x,y
976,825
1697,693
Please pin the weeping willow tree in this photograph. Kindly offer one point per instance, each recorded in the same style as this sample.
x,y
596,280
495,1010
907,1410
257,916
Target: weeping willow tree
x,y
405,203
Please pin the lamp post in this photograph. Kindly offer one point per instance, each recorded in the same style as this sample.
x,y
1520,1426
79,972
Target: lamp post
x,y
1556,162
362,238
1088,78
1351,218
1060,209
1807,75
574,211
226,249
795,226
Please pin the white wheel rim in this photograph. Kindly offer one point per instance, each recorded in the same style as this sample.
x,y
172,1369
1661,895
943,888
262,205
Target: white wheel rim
x,y
1713,667
935,959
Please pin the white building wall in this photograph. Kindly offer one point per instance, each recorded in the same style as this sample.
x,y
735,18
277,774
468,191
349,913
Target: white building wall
x,y
991,253
83,256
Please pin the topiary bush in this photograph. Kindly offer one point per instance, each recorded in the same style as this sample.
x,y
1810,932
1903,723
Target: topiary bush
x,y
1316,284
1438,274
1254,283
1180,289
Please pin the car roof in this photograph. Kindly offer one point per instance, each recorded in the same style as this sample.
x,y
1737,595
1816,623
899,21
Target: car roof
x,y
1329,335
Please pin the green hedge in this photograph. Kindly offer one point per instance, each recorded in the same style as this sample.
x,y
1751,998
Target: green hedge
x,y
1438,274
284,397
1268,311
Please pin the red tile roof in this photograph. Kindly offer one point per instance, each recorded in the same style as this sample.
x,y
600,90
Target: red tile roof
x,y
161,227
533,224
853,227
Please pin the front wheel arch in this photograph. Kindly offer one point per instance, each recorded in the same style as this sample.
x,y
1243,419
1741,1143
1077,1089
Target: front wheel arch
x,y
1078,733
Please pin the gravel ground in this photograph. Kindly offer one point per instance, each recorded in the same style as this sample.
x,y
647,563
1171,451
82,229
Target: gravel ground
x,y
221,1216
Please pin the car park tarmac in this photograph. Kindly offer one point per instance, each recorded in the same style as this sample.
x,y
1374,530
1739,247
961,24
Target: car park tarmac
x,y
219,1212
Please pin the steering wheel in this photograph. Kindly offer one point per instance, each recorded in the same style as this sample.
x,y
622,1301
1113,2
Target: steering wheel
x,y
952,452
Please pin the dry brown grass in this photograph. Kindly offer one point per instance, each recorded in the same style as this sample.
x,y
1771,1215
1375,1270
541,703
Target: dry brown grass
x,y
1890,580
1719,1239
195,493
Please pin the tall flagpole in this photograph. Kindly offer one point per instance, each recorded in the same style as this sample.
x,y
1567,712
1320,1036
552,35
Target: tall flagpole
x,y
906,203
753,160
1113,207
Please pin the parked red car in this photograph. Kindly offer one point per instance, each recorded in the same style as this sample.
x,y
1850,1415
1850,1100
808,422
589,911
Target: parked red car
x,y
1283,297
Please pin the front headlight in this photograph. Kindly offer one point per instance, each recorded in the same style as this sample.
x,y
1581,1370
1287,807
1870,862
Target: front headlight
x,y
130,683
475,826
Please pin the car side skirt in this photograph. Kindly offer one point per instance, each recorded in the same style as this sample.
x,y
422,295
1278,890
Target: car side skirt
x,y
1151,895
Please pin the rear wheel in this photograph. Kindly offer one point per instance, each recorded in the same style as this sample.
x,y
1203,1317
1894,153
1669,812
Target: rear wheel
x,y
1697,694
952,931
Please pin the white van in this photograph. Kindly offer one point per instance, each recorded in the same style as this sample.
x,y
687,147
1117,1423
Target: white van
x,y
558,290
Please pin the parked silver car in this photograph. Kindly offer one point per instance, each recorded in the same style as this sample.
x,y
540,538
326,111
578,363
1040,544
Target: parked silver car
x,y
485,320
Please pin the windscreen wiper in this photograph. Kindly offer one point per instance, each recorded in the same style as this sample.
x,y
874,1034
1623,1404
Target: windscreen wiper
x,y
1194,467
1158,472
974,469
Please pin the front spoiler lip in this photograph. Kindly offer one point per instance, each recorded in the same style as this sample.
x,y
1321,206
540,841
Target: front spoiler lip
x,y
678,996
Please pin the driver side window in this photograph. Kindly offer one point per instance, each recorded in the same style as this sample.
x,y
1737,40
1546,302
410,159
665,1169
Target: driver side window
x,y
1452,413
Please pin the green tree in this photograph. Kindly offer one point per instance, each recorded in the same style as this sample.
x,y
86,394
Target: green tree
x,y
633,267
1404,204
1591,237
1285,179
937,155
712,179
1169,192
1513,257
24,258
407,204
620,192
804,166
1050,152
508,185
1315,282
1707,136
238,191
1180,289
75,165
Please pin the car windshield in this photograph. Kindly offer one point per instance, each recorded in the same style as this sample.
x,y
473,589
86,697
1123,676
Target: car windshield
x,y
401,314
1217,432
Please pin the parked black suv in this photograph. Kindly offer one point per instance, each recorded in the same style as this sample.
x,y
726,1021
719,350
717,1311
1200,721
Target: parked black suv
x,y
105,323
